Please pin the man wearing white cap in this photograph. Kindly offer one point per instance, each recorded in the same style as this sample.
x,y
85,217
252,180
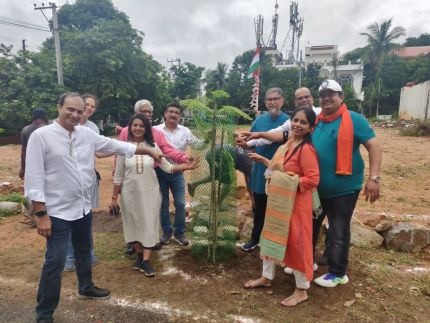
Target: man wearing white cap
x,y
337,138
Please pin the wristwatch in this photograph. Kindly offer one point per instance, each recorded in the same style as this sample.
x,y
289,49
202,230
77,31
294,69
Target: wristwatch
x,y
39,214
376,178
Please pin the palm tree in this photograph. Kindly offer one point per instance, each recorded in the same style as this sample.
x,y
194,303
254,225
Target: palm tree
x,y
380,39
216,79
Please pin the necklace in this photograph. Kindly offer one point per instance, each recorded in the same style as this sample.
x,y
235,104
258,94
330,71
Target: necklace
x,y
139,162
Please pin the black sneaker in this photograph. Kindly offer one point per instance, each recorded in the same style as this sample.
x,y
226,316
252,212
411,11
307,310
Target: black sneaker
x,y
180,238
147,269
249,246
165,239
95,293
157,246
44,321
137,264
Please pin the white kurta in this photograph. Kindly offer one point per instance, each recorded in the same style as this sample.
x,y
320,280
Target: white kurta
x,y
140,197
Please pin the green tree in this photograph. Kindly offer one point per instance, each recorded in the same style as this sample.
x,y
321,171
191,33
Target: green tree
x,y
102,55
380,39
421,40
186,80
216,79
27,80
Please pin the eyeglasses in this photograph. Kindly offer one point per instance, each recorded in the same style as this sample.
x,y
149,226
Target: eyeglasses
x,y
273,99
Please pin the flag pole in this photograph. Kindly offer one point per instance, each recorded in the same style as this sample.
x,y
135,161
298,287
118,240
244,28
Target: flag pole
x,y
254,72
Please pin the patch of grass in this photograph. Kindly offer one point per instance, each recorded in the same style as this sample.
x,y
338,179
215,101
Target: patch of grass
x,y
110,246
420,129
14,197
6,213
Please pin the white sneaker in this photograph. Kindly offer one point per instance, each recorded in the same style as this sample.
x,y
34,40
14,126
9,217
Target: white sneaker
x,y
289,271
331,280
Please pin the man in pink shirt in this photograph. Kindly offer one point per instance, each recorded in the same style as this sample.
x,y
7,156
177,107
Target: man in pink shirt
x,y
145,107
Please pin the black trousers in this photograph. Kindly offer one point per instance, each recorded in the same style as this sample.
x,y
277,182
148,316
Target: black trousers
x,y
339,212
260,201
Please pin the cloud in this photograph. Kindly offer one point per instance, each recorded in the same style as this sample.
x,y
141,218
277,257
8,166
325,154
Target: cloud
x,y
205,32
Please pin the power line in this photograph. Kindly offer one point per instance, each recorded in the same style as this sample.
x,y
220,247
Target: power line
x,y
8,23
21,22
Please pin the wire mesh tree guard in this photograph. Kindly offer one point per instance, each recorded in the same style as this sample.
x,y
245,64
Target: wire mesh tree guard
x,y
212,186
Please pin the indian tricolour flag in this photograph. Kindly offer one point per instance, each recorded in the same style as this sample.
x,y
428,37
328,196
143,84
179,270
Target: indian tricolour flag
x,y
254,69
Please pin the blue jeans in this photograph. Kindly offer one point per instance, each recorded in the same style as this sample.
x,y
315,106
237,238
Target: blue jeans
x,y
48,294
70,258
176,183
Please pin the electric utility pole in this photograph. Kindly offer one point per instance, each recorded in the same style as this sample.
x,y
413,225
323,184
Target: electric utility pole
x,y
56,35
172,61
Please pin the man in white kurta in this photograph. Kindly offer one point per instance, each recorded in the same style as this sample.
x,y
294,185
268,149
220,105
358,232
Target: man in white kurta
x,y
58,177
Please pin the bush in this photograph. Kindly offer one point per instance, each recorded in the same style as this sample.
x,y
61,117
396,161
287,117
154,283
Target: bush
x,y
422,128
14,197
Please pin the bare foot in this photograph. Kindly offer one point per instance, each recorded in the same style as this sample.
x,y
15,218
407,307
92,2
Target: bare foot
x,y
299,296
258,283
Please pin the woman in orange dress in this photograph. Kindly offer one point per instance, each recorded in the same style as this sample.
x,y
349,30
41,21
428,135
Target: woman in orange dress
x,y
300,158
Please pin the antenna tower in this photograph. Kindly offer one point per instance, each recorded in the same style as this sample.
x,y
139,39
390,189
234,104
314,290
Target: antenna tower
x,y
258,25
296,26
271,44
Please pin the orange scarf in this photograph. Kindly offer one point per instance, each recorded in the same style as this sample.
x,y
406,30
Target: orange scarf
x,y
345,139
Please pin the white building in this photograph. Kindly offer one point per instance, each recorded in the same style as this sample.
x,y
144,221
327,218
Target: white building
x,y
415,102
328,55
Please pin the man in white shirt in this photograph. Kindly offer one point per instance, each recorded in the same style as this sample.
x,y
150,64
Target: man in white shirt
x,y
58,177
91,103
179,137
302,99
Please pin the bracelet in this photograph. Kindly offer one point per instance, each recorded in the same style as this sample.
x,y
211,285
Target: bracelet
x,y
114,197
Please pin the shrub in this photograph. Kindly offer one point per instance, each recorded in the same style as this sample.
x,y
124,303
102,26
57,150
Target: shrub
x,y
422,128
14,197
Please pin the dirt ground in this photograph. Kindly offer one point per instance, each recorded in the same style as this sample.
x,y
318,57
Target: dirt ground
x,y
384,285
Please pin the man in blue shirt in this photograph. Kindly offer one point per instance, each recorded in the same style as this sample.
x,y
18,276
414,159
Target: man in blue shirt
x,y
274,100
337,138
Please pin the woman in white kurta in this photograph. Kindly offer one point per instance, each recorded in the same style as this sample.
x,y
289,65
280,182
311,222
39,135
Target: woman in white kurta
x,y
135,178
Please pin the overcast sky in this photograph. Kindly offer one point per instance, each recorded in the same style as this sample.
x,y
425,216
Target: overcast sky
x,y
205,32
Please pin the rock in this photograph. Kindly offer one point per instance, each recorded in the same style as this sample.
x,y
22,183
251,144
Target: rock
x,y
407,236
349,303
358,295
372,220
362,236
383,226
11,207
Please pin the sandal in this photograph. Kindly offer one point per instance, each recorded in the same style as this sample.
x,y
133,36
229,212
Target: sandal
x,y
293,300
251,284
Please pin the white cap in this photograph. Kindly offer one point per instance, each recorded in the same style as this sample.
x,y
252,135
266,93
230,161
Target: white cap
x,y
330,85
